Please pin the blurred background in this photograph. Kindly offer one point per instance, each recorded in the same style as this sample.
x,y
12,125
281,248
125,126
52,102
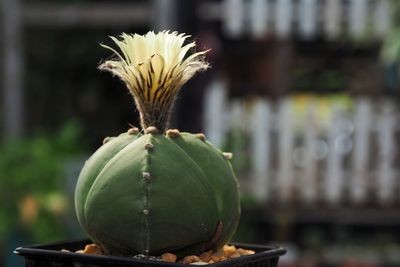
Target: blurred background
x,y
305,93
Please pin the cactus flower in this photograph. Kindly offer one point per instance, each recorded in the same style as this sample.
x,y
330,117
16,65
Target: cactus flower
x,y
154,67
157,190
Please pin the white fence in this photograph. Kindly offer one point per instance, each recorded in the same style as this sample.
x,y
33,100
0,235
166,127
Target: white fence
x,y
304,18
344,151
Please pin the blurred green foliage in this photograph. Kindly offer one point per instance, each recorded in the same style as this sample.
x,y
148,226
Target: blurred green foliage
x,y
328,80
33,184
390,53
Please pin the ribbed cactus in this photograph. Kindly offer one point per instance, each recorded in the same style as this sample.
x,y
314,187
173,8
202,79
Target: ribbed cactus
x,y
157,190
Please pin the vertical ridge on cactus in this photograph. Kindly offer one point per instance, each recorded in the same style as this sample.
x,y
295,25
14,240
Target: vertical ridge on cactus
x,y
157,190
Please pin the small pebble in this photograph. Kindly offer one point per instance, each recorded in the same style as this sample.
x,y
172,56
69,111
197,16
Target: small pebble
x,y
190,259
93,249
219,255
168,257
228,250
206,256
218,258
244,252
234,255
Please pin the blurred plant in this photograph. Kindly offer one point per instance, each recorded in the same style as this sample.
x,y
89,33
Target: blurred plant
x,y
32,184
325,81
390,52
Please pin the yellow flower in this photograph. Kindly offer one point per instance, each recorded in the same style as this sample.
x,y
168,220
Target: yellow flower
x,y
154,67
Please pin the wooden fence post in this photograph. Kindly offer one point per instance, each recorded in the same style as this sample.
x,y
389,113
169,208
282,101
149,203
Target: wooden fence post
x,y
13,102
358,11
215,112
283,18
308,18
233,17
285,177
385,173
260,136
360,178
334,179
259,16
308,180
332,18
381,18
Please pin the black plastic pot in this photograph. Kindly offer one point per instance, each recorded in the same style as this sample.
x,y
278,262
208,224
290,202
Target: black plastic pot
x,y
52,256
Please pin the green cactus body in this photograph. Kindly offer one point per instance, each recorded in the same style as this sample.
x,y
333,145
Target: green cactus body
x,y
148,194
157,191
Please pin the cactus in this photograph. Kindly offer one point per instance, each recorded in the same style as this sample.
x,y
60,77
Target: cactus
x,y
157,190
